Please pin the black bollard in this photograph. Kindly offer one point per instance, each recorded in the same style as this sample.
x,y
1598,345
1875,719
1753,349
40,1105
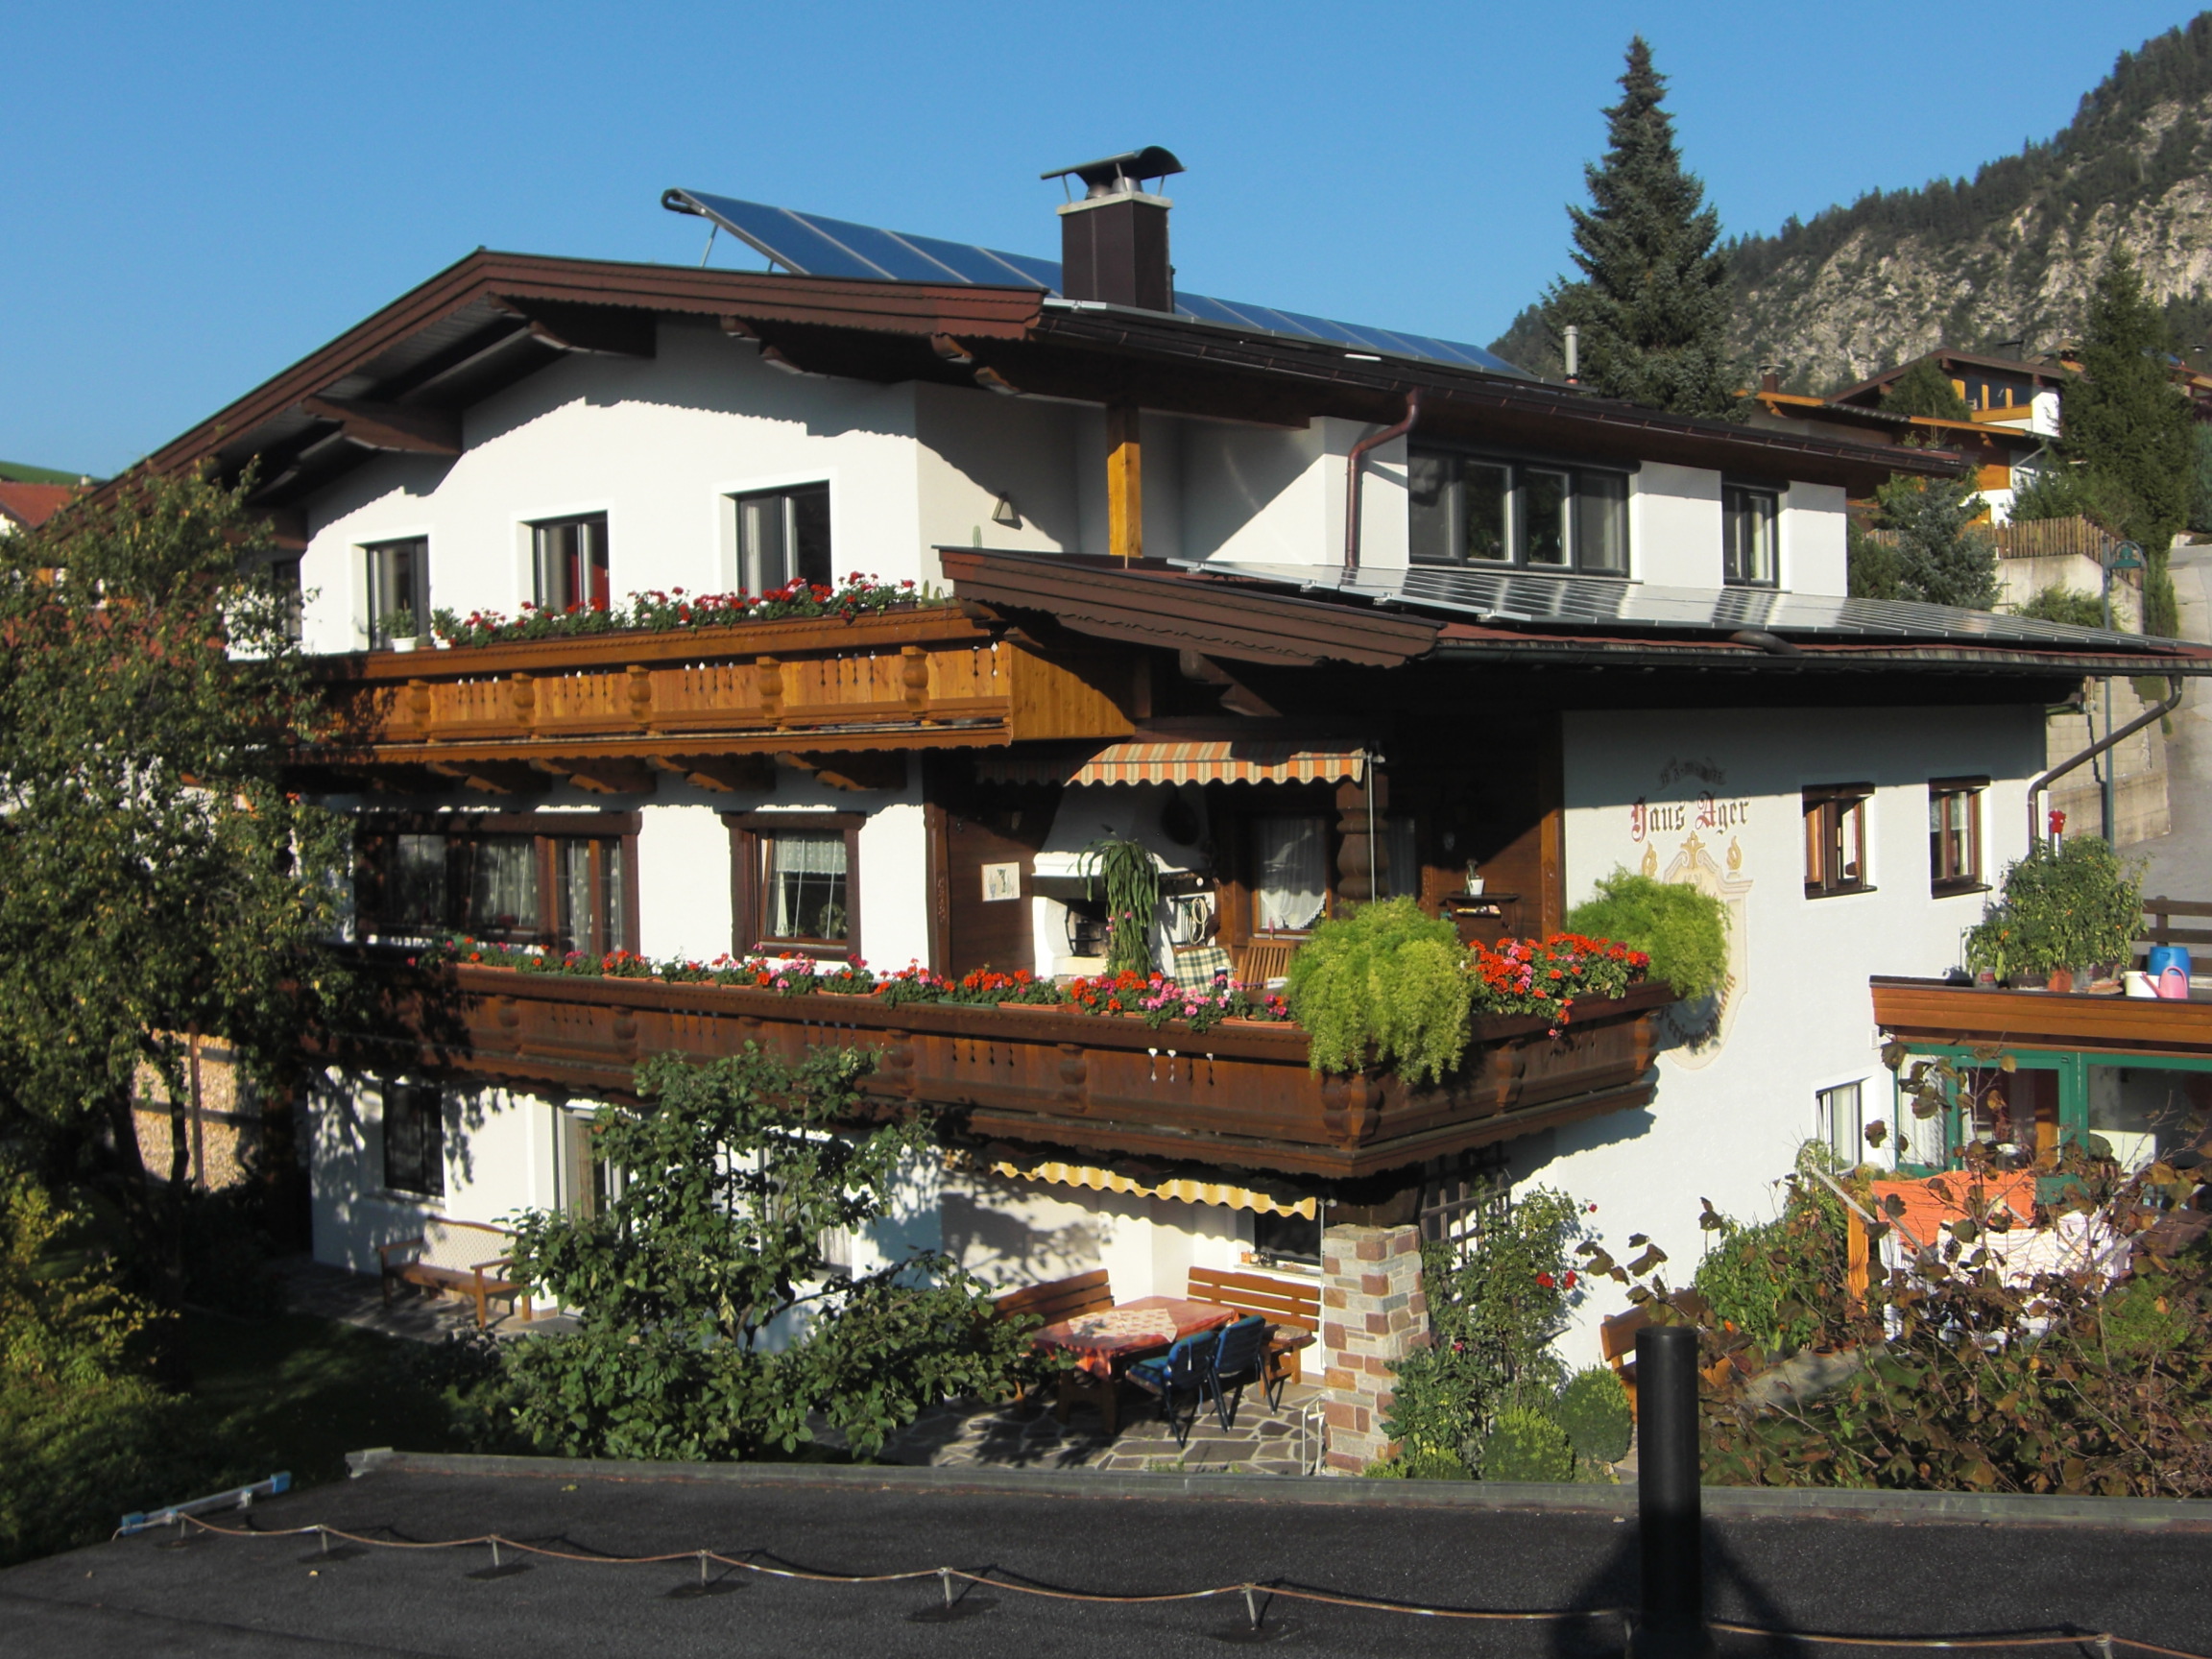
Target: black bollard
x,y
1669,1513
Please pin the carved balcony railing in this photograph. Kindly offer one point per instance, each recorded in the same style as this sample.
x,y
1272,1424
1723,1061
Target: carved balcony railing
x,y
588,705
1240,1095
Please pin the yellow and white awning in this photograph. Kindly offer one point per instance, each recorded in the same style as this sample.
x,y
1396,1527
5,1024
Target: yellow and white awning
x,y
1184,1190
1196,760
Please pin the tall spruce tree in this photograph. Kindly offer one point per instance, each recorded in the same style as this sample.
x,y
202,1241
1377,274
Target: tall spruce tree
x,y
1652,306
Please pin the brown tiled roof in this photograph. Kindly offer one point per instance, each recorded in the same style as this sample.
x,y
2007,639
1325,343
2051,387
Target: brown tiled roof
x,y
32,504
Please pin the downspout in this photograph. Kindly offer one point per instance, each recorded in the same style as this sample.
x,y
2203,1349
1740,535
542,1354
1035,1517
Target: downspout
x,y
1353,474
2036,788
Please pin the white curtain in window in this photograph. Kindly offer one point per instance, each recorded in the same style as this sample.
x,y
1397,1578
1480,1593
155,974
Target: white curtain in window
x,y
503,885
1397,860
1294,884
417,895
806,884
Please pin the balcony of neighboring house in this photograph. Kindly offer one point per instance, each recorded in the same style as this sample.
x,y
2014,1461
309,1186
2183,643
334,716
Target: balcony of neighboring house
x,y
606,711
1239,1094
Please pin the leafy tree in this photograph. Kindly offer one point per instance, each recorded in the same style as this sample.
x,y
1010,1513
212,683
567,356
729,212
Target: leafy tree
x,y
156,876
2125,420
1942,558
710,1323
1924,389
1652,306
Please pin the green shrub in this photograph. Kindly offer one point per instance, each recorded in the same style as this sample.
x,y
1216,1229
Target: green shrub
x,y
1593,1411
78,1457
1385,975
1526,1444
2077,907
1684,931
2059,603
1764,1280
1435,1463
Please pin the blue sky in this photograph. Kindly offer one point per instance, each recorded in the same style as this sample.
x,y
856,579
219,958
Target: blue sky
x,y
195,196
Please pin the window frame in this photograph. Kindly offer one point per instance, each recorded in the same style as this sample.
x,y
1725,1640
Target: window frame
x,y
430,1169
1972,791
1832,801
378,584
1824,1121
1516,468
599,572
1749,489
379,842
749,832
788,494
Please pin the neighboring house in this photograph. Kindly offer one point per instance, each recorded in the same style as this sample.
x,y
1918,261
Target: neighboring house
x,y
1318,613
26,506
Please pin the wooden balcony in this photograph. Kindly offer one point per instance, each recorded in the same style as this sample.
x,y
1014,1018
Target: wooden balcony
x,y
1240,1096
1931,1012
587,706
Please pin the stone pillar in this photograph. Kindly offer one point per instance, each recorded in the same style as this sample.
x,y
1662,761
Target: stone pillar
x,y
1373,1315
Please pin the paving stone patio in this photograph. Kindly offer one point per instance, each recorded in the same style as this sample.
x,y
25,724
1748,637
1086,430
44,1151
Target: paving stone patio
x,y
312,1286
1029,1436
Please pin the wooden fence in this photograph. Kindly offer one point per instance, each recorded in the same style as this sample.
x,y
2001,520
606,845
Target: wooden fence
x,y
2033,539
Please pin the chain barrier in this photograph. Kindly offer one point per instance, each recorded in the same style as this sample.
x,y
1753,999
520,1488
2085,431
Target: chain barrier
x,y
1253,1594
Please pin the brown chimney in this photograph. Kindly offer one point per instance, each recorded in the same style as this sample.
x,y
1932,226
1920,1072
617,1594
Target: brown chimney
x,y
1114,242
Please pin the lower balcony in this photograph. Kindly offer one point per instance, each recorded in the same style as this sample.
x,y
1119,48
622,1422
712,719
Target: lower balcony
x,y
1240,1095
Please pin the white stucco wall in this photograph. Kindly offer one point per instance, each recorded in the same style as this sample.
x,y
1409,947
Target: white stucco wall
x,y
1714,798
1675,526
1814,543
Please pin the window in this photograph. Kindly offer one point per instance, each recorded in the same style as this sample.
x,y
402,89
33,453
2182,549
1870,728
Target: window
x,y
1748,518
569,556
415,1139
1836,839
1841,1124
1954,835
562,880
784,537
797,882
1278,1238
1397,860
1289,874
398,589
284,577
1466,510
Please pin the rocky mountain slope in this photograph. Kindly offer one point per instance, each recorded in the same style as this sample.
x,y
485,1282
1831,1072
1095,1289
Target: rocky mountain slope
x,y
2008,255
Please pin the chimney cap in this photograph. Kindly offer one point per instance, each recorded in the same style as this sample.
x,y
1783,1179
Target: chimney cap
x,y
1120,175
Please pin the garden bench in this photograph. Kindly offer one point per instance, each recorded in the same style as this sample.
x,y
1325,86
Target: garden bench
x,y
455,1256
1055,1300
1293,1309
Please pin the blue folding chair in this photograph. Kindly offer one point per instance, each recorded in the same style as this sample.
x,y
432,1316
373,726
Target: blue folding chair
x,y
1239,1357
1184,1372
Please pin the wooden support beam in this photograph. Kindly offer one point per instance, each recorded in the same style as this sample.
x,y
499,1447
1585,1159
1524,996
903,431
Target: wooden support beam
x,y
859,769
493,777
724,774
1124,482
398,428
598,330
601,776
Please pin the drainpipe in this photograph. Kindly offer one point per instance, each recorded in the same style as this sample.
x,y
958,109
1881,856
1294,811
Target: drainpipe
x,y
2036,788
1353,474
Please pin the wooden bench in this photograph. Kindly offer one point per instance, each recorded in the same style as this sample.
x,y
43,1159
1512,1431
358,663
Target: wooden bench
x,y
1617,1335
1051,1302
1292,1309
455,1256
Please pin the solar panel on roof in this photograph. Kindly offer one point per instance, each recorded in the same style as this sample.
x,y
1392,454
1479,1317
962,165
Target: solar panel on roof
x,y
810,244
1521,599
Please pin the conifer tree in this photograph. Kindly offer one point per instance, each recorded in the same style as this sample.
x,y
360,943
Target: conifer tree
x,y
1652,306
1924,389
2125,420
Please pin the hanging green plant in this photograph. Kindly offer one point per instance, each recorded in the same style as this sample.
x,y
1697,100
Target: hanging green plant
x,y
1387,977
1124,868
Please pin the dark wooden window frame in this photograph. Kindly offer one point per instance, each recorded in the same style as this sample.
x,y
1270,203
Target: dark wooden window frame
x,y
747,831
1969,790
546,829
1517,463
1833,801
429,1172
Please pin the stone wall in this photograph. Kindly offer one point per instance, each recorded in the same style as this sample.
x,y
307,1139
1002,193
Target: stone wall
x,y
1373,1315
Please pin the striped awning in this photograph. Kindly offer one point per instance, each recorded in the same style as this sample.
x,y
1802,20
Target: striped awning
x,y
1187,1191
1207,760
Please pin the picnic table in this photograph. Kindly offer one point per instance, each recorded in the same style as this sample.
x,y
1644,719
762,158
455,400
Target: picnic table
x,y
1106,1340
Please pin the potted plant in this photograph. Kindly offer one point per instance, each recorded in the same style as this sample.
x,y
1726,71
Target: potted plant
x,y
399,629
2060,911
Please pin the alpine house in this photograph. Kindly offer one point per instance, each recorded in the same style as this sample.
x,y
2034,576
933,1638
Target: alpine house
x,y
1316,613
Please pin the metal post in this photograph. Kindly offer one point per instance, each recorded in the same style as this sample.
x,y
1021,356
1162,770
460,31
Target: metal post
x,y
2105,591
1668,1515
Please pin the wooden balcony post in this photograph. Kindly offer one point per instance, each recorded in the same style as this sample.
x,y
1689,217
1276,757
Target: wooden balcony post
x,y
1124,482
1358,824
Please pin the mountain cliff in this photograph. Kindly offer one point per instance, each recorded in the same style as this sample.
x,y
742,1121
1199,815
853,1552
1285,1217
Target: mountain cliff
x,y
2008,255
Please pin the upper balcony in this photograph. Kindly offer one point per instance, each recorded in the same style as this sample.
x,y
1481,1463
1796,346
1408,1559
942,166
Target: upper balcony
x,y
605,710
1240,1096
